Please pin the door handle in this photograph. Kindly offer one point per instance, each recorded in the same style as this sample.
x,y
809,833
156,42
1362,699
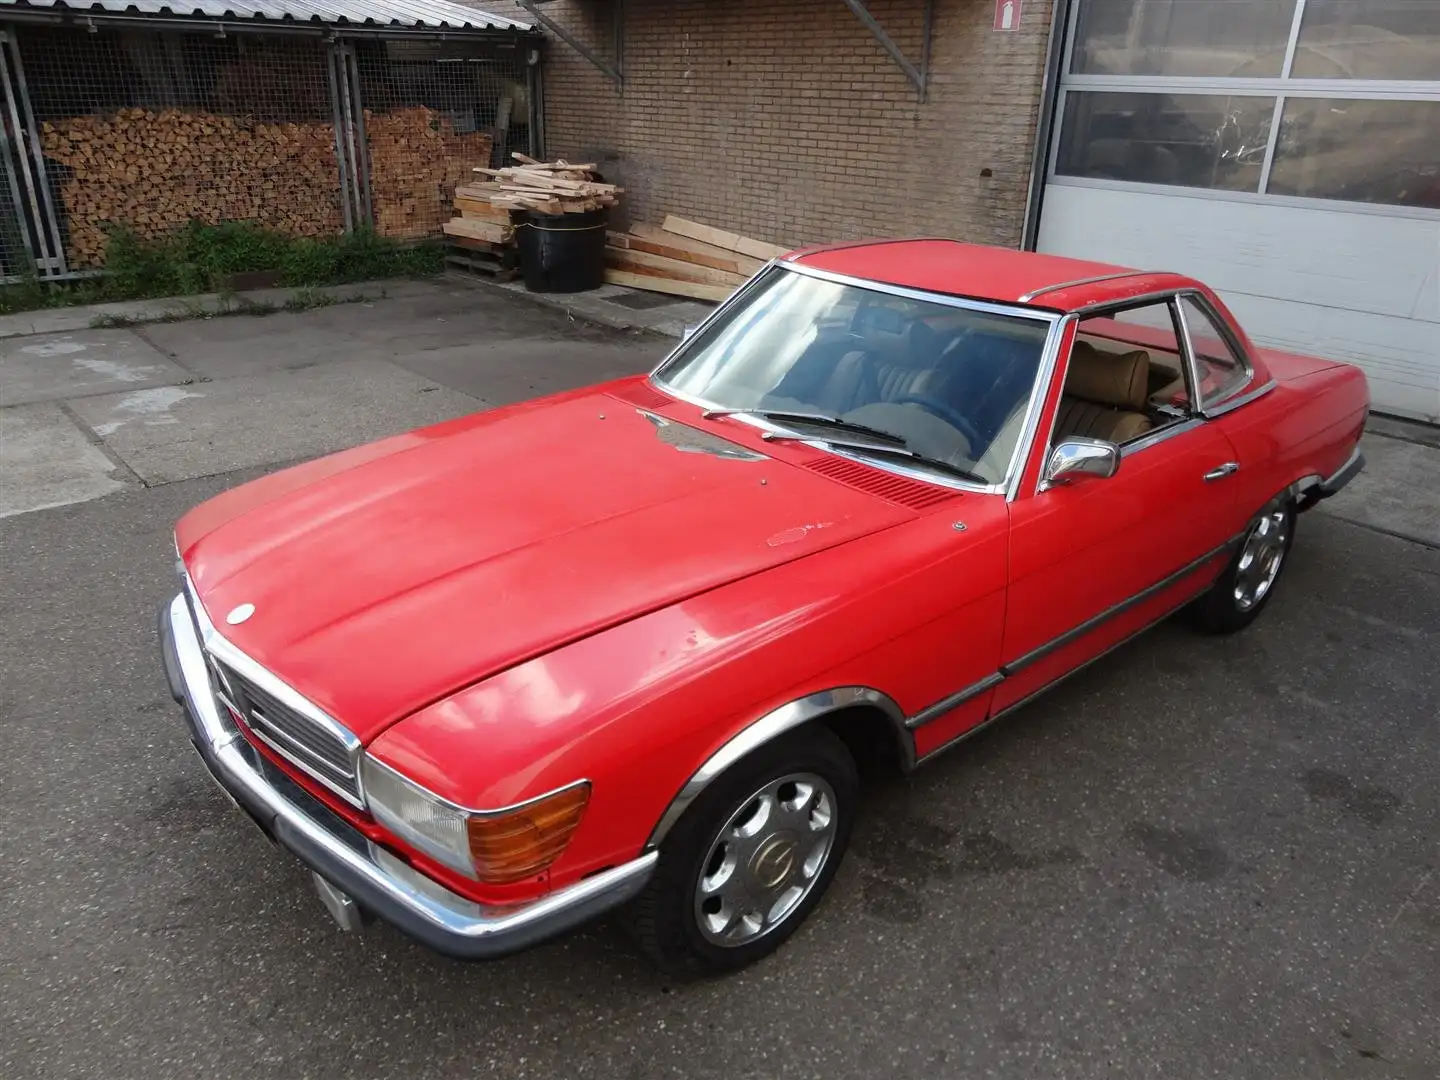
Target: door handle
x,y
1222,471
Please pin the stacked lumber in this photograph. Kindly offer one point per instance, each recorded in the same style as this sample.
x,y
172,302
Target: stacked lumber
x,y
548,187
480,236
156,171
417,159
684,258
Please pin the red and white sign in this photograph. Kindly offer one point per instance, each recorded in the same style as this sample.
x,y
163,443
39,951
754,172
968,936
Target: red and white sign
x,y
1007,14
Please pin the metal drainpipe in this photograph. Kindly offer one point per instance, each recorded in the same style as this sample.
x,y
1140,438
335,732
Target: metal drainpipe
x,y
1045,128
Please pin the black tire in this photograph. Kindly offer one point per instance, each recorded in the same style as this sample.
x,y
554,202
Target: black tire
x,y
664,918
1221,610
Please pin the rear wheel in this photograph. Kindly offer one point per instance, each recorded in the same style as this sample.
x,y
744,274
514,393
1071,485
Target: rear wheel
x,y
751,859
1244,588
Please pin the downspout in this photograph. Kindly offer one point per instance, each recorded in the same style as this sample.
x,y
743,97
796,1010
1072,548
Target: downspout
x,y
1045,128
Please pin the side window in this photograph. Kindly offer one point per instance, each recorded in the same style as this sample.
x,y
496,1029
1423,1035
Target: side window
x,y
1218,367
1152,329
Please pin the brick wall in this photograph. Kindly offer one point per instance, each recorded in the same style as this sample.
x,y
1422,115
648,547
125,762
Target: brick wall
x,y
785,119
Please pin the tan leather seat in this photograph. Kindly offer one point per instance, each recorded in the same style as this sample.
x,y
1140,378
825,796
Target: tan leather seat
x,y
1105,395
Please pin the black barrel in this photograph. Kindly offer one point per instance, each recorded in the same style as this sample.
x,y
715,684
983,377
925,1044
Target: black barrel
x,y
561,253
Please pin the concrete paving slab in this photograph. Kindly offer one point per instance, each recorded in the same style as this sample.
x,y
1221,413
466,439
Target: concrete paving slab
x,y
1398,491
618,306
502,372
45,460
51,367
177,433
240,345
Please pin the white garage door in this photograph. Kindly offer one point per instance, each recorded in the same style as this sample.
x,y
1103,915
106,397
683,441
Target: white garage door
x,y
1287,152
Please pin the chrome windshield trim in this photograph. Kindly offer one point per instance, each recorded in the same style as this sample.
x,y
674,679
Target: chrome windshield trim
x,y
991,307
1038,405
686,341
1007,485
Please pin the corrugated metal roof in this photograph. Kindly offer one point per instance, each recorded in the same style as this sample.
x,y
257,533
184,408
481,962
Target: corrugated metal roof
x,y
413,14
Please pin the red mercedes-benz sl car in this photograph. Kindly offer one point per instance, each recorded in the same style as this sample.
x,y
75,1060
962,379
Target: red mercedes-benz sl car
x,y
624,646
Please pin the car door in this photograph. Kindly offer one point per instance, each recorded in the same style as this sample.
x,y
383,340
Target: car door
x,y
1094,559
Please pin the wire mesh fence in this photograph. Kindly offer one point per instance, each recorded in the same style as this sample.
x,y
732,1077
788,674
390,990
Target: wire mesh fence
x,y
151,130
433,111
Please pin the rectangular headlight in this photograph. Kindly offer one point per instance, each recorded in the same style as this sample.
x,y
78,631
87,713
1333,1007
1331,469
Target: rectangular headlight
x,y
416,816
497,848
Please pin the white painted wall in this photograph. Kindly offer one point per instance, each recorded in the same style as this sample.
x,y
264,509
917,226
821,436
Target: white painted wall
x,y
1359,287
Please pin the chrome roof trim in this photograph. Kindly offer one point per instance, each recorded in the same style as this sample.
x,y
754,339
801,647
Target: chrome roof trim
x,y
1096,279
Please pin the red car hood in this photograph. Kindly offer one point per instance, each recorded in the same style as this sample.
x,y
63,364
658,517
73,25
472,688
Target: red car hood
x,y
388,577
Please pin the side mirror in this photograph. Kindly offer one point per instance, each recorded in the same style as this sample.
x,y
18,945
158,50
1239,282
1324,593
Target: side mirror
x,y
1079,456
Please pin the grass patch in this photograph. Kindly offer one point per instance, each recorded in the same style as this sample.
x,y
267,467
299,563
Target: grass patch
x,y
201,258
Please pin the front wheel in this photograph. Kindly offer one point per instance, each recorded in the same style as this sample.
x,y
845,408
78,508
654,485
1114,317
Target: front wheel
x,y
1243,589
750,860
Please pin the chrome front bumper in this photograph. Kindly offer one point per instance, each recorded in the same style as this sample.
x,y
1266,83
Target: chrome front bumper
x,y
376,880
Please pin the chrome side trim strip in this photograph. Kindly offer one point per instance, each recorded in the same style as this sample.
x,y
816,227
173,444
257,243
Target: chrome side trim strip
x,y
1041,691
945,705
773,724
954,701
1021,663
1095,280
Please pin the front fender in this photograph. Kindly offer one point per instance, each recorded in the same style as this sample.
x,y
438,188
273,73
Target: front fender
x,y
647,710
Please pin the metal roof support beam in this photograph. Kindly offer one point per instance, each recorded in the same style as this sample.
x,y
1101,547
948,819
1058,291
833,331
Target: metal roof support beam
x,y
617,13
918,76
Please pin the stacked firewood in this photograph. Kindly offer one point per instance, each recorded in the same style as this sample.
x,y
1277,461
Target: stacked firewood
x,y
416,160
156,171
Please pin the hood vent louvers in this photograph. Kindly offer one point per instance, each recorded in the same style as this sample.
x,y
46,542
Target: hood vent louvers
x,y
643,395
896,489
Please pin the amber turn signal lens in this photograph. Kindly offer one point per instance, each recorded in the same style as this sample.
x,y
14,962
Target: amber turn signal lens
x,y
515,845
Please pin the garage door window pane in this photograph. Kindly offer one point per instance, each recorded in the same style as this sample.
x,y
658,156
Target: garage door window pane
x,y
1361,151
1369,39
1241,38
1189,140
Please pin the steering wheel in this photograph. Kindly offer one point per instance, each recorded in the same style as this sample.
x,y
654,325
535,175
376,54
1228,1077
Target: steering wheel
x,y
945,412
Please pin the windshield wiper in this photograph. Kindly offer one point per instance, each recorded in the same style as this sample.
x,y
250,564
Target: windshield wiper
x,y
835,423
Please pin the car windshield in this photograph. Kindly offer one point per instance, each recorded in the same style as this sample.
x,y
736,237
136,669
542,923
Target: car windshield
x,y
926,384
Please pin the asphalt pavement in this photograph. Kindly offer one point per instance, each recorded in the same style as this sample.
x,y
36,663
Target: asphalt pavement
x,y
1199,857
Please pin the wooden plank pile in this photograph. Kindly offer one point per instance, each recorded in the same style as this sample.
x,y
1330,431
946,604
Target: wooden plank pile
x,y
156,171
480,237
685,258
555,187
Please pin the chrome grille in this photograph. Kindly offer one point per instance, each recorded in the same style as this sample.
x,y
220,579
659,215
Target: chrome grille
x,y
290,733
